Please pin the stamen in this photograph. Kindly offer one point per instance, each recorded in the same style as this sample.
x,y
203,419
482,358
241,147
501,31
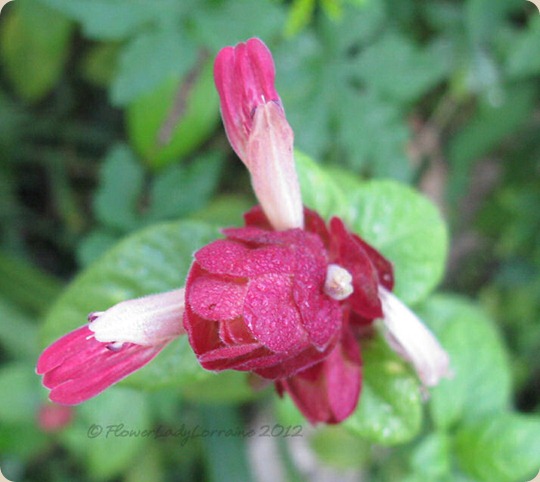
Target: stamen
x,y
94,315
338,284
115,346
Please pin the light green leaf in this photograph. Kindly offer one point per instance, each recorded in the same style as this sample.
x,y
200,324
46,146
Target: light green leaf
x,y
500,449
430,459
319,191
34,46
173,120
523,59
481,382
390,407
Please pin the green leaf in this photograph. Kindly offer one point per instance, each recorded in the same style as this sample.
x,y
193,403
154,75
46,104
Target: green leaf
x,y
34,46
100,64
227,23
20,394
394,218
115,19
390,408
396,57
430,459
481,383
18,335
490,125
106,434
300,15
226,456
319,190
523,59
150,59
227,387
121,183
181,189
373,133
173,120
500,449
336,446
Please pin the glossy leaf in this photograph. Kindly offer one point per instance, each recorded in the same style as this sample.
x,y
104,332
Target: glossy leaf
x,y
500,449
390,408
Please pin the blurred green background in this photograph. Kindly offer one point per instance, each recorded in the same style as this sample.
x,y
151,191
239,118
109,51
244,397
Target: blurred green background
x,y
109,123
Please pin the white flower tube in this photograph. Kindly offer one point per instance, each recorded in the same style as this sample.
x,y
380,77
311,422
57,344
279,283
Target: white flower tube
x,y
145,321
413,341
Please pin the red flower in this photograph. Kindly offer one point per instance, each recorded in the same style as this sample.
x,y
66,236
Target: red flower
x,y
114,344
267,301
283,297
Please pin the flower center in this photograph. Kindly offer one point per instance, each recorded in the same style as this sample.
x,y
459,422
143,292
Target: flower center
x,y
338,284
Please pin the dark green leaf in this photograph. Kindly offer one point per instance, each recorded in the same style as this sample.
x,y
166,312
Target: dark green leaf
x,y
400,70
115,19
34,46
121,183
106,434
180,190
227,23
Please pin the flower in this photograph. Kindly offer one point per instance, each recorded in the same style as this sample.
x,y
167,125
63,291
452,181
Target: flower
x,y
53,418
114,344
285,297
257,129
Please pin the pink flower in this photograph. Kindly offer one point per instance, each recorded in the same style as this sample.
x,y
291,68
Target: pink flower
x,y
285,297
258,130
53,418
115,343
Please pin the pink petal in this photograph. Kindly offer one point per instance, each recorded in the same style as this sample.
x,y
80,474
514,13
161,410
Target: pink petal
x,y
244,77
77,367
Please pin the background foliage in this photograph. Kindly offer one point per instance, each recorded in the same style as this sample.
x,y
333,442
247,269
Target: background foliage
x,y
114,168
